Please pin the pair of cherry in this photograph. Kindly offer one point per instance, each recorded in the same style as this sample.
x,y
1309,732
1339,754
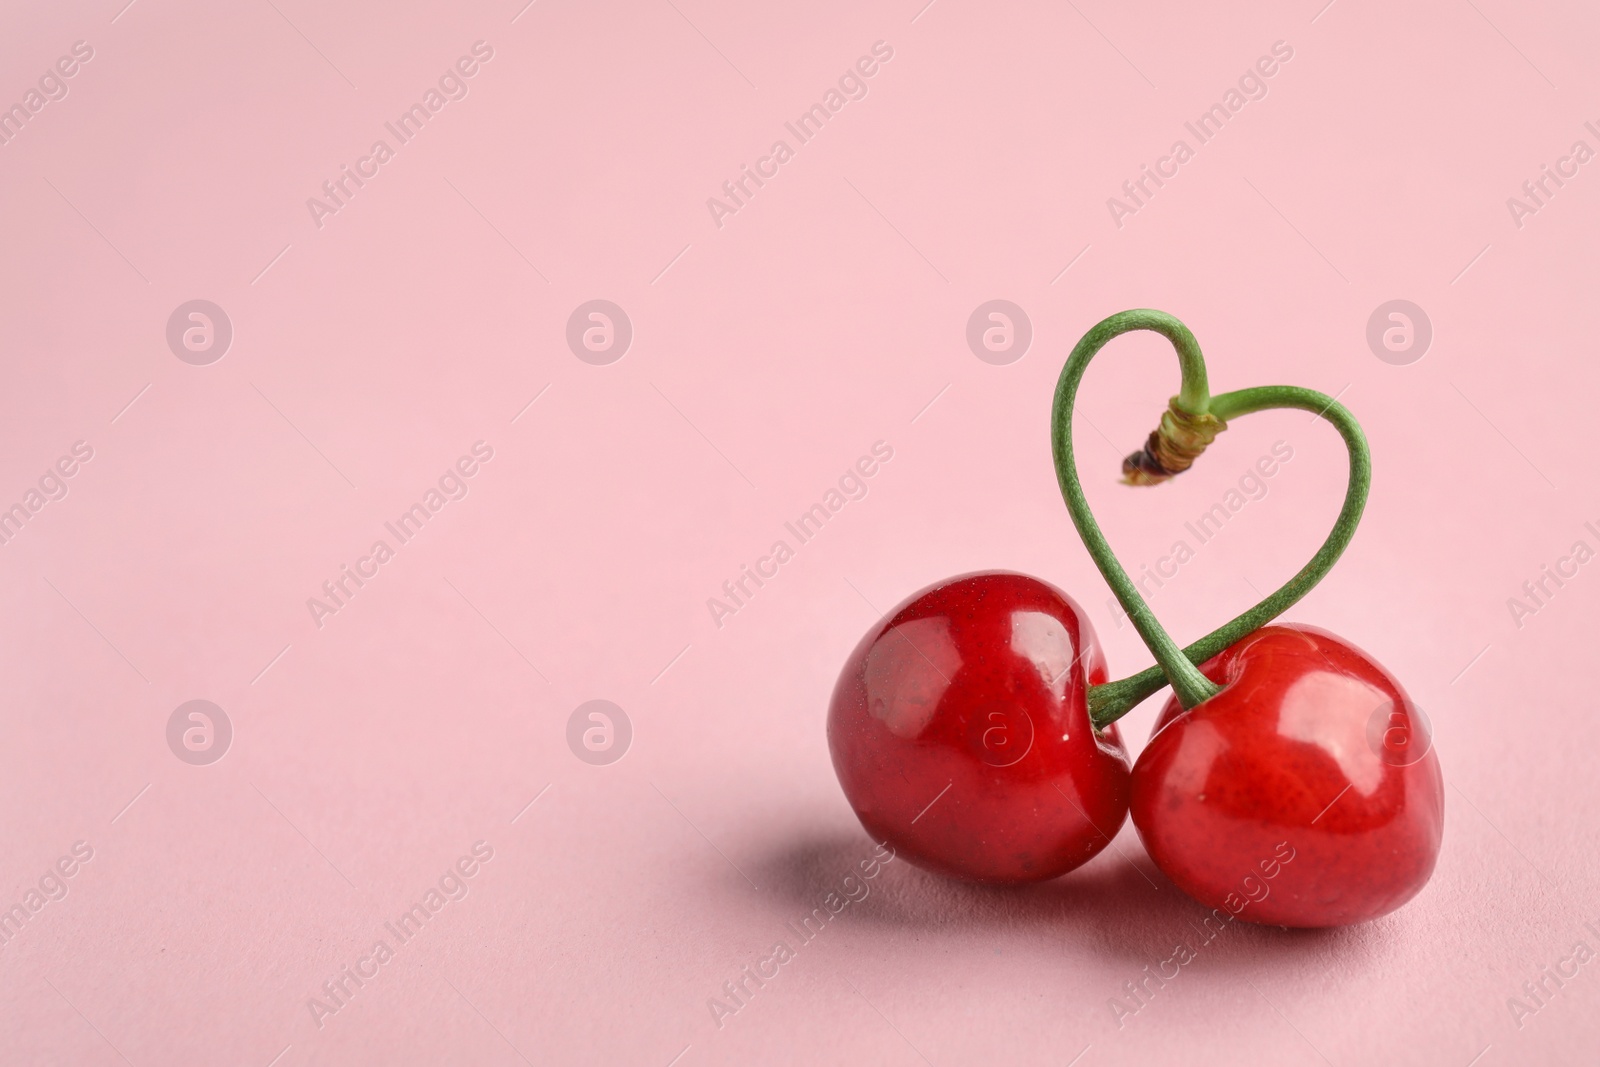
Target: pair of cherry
x,y
1289,779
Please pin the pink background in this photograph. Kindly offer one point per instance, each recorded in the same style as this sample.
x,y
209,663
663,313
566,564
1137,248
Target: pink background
x,y
768,354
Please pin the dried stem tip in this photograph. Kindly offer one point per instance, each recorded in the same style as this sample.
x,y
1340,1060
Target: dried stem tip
x,y
1173,447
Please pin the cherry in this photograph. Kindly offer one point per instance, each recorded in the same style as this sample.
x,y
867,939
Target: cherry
x,y
1305,793
960,732
1290,779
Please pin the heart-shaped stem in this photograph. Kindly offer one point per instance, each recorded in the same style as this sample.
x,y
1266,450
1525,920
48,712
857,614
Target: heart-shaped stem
x,y
1111,701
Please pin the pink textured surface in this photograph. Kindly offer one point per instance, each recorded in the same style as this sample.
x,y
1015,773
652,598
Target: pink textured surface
x,y
828,313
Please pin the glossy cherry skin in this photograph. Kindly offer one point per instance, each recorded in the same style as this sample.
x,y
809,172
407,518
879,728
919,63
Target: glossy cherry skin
x,y
961,736
1306,793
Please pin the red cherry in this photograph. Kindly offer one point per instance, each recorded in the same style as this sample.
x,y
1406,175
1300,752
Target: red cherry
x,y
1305,793
960,733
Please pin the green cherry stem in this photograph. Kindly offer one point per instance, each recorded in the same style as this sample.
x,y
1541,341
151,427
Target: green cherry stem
x,y
1112,700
